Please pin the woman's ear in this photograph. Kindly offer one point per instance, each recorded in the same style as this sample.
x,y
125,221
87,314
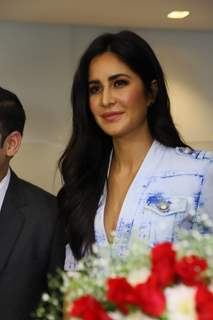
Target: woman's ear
x,y
12,143
153,91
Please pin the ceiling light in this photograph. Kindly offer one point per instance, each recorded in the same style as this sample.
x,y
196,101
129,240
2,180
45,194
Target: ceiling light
x,y
178,14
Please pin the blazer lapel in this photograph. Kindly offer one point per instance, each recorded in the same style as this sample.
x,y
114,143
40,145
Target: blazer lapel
x,y
11,220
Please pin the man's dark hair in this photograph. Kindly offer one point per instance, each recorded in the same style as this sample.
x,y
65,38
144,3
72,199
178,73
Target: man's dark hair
x,y
12,114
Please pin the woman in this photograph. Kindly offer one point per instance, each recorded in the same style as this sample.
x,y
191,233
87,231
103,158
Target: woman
x,y
126,167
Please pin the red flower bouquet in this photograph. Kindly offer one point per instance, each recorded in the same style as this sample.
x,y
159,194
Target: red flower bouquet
x,y
176,287
168,282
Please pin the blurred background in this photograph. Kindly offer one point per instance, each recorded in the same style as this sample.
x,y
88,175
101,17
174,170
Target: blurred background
x,y
41,42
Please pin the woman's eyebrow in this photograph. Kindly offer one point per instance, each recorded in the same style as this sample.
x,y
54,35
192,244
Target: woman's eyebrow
x,y
110,78
93,82
117,75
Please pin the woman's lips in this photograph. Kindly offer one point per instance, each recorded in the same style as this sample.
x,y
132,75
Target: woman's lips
x,y
112,116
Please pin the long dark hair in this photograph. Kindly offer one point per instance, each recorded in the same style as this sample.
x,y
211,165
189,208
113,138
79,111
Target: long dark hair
x,y
85,160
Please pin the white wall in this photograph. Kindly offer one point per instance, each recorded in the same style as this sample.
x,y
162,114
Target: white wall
x,y
37,62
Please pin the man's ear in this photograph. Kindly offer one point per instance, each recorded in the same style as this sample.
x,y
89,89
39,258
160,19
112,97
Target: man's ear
x,y
12,143
153,91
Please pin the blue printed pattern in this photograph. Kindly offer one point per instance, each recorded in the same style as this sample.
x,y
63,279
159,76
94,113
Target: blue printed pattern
x,y
170,189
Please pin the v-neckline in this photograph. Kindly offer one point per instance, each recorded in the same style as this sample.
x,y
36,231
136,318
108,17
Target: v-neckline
x,y
143,168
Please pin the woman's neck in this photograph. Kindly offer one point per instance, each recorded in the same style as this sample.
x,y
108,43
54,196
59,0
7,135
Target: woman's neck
x,y
130,151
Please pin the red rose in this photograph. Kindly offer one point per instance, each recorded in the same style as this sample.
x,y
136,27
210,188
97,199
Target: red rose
x,y
150,297
163,263
88,308
190,270
121,293
204,303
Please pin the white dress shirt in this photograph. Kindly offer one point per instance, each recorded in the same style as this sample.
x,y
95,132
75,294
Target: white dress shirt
x,y
3,187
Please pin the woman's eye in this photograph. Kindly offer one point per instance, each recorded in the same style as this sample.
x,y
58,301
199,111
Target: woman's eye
x,y
93,90
120,83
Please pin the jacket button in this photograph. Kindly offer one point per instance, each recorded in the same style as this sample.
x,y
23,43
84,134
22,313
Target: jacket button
x,y
163,206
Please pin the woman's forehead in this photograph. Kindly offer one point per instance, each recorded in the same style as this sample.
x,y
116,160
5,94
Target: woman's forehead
x,y
106,65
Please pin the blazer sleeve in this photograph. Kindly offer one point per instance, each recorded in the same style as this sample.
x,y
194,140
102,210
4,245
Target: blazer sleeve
x,y
206,197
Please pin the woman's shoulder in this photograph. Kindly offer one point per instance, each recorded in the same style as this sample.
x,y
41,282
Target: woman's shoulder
x,y
194,154
189,156
185,159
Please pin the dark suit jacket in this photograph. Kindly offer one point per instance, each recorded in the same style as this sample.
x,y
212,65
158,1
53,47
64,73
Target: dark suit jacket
x,y
31,245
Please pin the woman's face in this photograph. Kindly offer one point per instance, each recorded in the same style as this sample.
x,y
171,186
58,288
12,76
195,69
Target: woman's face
x,y
117,96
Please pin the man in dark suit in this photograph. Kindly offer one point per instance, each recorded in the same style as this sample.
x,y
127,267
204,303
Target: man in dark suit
x,y
31,232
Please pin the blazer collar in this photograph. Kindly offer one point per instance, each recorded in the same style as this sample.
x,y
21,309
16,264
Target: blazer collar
x,y
11,219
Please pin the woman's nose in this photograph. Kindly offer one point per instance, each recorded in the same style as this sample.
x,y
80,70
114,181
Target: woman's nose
x,y
107,97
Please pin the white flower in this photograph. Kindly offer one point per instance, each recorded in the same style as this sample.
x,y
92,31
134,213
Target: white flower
x,y
116,315
132,316
181,303
138,276
45,297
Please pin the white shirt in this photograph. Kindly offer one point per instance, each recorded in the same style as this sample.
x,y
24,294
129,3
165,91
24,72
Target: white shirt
x,y
170,188
3,187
